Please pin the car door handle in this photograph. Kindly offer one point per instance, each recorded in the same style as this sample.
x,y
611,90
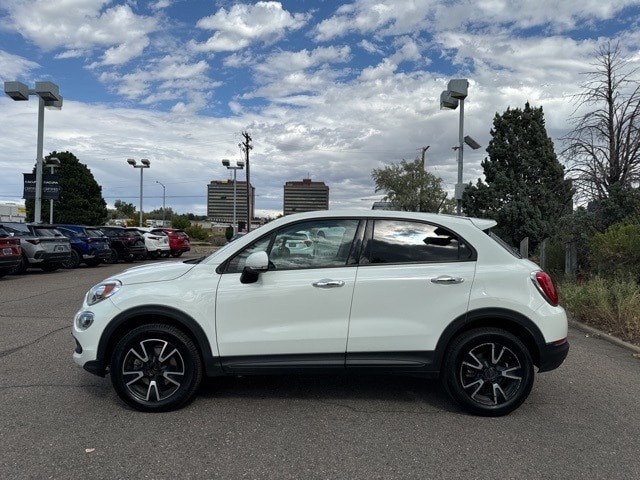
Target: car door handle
x,y
447,280
327,283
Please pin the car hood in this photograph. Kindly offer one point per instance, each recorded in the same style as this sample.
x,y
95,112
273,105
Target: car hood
x,y
155,272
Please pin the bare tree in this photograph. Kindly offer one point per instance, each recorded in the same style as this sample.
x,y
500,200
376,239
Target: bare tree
x,y
603,149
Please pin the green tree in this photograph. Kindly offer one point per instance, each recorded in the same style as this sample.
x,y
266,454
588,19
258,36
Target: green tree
x,y
409,188
80,201
180,222
524,188
128,210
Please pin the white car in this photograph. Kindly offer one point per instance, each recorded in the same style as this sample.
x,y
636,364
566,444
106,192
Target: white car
x,y
402,292
156,242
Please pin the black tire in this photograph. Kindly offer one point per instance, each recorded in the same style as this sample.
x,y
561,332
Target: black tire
x,y
20,268
153,255
113,258
161,384
176,253
488,372
73,261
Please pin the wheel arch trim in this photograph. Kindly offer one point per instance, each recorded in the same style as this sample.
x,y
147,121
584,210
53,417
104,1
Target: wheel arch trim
x,y
514,322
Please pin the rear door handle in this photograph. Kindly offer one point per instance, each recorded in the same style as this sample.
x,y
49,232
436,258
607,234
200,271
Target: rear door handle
x,y
328,283
447,280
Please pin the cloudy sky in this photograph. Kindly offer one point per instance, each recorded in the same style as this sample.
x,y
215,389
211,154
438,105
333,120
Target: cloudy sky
x,y
327,90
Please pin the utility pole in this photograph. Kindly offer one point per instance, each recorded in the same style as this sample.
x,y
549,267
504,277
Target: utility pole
x,y
246,147
424,168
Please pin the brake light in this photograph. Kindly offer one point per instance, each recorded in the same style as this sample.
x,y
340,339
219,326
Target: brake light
x,y
545,286
307,243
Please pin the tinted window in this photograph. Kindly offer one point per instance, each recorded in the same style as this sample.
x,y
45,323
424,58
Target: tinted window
x,y
401,241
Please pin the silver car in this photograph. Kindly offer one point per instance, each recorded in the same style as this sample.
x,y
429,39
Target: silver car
x,y
43,246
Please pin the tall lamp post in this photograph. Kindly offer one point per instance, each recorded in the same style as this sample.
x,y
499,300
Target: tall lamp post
x,y
455,93
144,163
49,96
239,166
163,197
52,163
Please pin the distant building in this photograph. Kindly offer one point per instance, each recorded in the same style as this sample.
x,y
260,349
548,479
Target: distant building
x,y
381,206
12,212
220,201
305,196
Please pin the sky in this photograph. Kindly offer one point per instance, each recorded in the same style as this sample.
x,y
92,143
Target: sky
x,y
327,90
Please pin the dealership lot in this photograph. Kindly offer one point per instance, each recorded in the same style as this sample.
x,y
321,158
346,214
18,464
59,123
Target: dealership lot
x,y
61,422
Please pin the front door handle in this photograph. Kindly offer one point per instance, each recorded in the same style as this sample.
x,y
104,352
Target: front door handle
x,y
447,280
328,283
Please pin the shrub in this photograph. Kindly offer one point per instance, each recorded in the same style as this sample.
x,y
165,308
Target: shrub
x,y
617,251
612,305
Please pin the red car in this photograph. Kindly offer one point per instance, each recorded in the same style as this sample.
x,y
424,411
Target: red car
x,y
10,252
178,240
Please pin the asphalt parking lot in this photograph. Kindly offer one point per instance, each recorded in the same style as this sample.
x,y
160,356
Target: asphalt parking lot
x,y
58,421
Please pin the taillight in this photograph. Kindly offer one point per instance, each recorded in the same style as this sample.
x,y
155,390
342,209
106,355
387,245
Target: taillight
x,y
34,241
307,243
545,286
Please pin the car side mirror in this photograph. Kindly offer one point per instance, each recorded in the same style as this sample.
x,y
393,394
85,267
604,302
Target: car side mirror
x,y
256,262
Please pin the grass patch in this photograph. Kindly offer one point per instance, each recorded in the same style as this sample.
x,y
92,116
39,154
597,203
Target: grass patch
x,y
611,305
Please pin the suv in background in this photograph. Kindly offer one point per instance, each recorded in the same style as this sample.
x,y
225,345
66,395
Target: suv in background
x,y
88,245
157,243
178,240
127,244
10,252
42,246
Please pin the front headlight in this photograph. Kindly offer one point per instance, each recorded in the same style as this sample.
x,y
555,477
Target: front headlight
x,y
102,291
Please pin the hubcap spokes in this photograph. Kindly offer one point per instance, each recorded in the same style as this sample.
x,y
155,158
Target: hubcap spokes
x,y
153,370
491,374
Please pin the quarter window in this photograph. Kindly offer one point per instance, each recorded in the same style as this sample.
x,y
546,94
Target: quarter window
x,y
400,241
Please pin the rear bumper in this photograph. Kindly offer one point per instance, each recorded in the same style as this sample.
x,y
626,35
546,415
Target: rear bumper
x,y
552,355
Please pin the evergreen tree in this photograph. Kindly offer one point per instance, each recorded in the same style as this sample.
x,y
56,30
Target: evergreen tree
x,y
80,201
524,188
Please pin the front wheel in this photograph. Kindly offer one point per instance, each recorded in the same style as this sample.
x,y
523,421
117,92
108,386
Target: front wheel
x,y
488,372
156,368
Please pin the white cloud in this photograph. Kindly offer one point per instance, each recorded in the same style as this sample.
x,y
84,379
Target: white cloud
x,y
81,26
14,66
243,25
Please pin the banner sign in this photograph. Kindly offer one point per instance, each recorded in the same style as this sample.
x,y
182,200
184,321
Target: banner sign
x,y
50,186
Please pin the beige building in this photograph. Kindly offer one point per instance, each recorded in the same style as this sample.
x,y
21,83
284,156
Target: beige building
x,y
220,201
305,196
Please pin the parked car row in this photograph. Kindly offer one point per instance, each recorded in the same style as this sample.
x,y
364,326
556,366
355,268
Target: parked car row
x,y
50,247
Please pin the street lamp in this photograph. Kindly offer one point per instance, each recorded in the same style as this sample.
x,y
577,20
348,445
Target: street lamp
x,y
239,166
49,97
455,93
144,164
53,163
163,197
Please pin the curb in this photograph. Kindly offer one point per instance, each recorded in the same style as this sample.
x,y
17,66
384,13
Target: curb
x,y
605,336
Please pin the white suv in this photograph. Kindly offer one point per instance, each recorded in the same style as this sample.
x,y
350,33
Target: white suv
x,y
401,292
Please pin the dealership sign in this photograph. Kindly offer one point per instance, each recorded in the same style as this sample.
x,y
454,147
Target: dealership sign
x,y
50,186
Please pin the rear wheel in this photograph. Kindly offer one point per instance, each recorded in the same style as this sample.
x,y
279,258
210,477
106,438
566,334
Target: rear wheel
x,y
176,253
73,261
488,372
155,368
113,257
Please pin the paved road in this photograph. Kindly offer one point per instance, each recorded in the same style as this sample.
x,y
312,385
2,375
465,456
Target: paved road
x,y
581,421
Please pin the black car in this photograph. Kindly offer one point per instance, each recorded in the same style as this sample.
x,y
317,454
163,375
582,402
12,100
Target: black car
x,y
127,244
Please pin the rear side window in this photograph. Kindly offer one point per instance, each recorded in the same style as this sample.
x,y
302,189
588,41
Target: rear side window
x,y
402,241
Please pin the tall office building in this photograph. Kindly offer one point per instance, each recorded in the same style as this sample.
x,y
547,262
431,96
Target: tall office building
x,y
305,196
220,201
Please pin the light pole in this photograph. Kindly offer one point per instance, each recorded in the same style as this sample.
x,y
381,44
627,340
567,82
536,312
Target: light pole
x,y
455,93
239,166
50,97
53,163
144,164
163,197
